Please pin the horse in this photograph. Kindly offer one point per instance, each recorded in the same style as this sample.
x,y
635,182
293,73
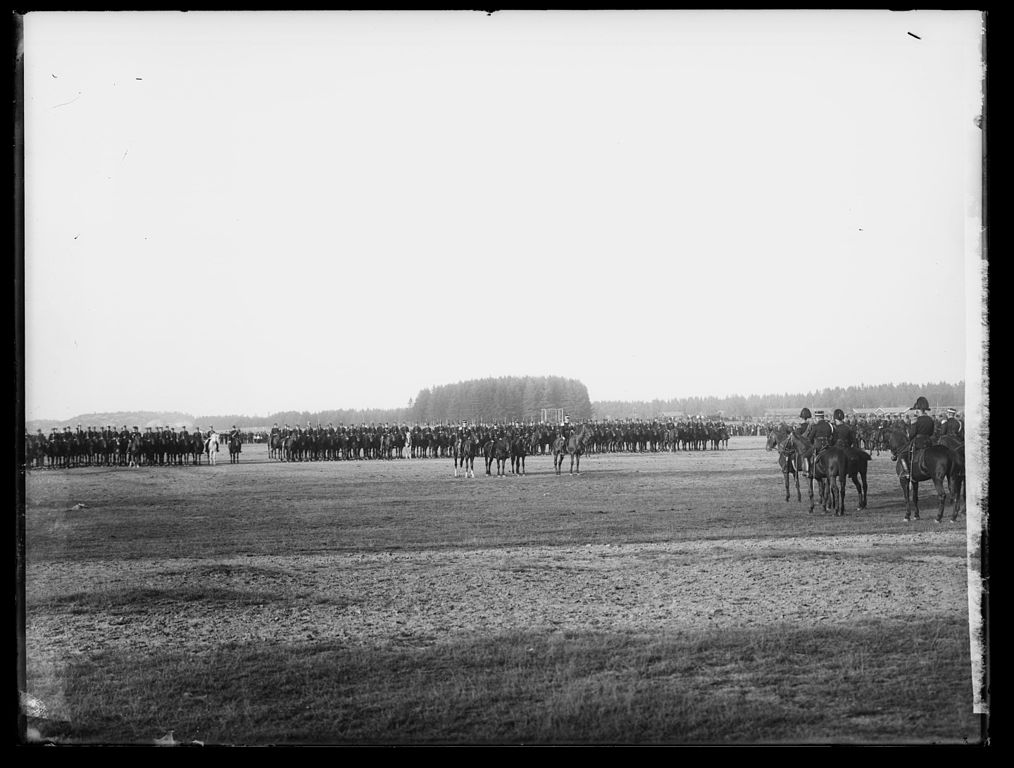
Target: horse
x,y
574,445
935,463
134,450
291,448
465,449
500,452
858,460
957,447
519,449
779,438
275,444
211,447
829,468
235,448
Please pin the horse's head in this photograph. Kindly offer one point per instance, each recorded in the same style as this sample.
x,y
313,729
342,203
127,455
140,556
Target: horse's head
x,y
772,441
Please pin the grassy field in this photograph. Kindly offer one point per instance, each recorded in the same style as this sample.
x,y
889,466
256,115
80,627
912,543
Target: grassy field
x,y
652,599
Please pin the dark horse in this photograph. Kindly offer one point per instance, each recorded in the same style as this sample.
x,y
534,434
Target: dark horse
x,y
574,445
276,444
500,452
936,463
779,438
829,468
235,448
957,447
134,449
519,449
465,449
858,461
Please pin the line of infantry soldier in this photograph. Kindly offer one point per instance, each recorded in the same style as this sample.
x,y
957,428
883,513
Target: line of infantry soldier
x,y
922,431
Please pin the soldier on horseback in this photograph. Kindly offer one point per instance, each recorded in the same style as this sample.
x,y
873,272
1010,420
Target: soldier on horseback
x,y
820,434
801,430
950,426
844,433
920,435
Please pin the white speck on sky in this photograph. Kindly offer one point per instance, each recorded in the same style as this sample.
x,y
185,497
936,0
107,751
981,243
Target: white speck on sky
x,y
254,212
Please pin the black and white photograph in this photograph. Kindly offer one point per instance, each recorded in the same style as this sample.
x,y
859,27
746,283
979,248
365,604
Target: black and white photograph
x,y
502,378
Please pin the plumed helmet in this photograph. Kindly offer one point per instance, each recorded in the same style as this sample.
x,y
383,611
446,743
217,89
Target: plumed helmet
x,y
921,405
839,414
951,411
805,413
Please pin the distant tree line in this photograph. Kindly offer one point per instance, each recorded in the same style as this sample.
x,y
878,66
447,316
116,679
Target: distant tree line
x,y
753,406
514,398
507,398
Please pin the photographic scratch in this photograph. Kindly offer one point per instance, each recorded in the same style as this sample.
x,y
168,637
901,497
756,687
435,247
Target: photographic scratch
x,y
68,102
124,155
915,36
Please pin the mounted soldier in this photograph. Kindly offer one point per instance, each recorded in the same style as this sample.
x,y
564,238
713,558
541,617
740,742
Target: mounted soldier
x,y
802,430
920,435
844,433
820,434
951,426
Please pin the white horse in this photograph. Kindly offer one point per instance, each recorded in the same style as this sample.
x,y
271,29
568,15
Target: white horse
x,y
211,447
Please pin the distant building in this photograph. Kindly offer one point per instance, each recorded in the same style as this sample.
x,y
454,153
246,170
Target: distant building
x,y
793,413
879,413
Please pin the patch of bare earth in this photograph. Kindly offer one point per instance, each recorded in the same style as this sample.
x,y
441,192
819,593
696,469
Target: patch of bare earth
x,y
428,597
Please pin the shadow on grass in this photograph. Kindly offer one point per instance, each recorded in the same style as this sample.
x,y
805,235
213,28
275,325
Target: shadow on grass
x,y
876,683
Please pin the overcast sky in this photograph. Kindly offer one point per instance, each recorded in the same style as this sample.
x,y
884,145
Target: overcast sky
x,y
255,212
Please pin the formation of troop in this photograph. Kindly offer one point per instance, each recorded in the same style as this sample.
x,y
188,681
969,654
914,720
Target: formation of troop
x,y
919,431
171,446
333,442
124,447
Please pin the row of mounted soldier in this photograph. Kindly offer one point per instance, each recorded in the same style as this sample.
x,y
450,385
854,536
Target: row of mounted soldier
x,y
171,446
923,450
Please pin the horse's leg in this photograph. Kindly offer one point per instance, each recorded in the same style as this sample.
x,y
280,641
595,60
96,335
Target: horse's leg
x,y
785,476
810,479
911,498
957,494
859,491
938,483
